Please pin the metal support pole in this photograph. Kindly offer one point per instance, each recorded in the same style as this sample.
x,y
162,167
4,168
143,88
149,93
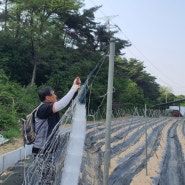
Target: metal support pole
x,y
179,110
146,142
109,112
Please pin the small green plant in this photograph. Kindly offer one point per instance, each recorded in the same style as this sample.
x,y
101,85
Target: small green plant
x,y
11,133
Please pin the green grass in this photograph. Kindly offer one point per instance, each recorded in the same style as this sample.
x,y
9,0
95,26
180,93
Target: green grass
x,y
11,133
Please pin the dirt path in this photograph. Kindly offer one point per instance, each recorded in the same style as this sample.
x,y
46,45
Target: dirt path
x,y
10,146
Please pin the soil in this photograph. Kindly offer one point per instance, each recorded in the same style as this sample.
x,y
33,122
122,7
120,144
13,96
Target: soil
x,y
14,144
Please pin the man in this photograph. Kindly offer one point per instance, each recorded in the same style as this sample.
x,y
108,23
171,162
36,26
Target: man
x,y
47,115
46,118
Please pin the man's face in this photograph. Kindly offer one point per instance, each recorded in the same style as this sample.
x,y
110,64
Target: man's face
x,y
52,97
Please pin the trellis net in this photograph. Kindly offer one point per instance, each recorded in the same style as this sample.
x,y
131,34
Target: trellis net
x,y
136,136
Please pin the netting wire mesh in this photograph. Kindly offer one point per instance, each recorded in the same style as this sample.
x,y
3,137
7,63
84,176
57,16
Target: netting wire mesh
x,y
127,141
133,131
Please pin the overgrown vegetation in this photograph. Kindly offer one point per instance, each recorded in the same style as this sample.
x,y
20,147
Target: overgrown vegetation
x,y
15,101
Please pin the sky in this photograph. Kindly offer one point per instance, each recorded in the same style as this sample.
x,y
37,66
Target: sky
x,y
156,30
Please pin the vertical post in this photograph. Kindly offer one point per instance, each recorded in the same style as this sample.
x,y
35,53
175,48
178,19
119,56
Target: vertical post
x,y
166,96
179,110
109,112
146,140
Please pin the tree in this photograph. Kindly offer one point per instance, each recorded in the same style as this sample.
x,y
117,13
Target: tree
x,y
166,95
33,21
134,70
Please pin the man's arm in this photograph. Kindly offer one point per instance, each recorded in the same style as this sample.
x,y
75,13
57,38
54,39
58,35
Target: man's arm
x,y
63,102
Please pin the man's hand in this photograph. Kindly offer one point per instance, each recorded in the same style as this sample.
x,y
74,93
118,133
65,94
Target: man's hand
x,y
76,83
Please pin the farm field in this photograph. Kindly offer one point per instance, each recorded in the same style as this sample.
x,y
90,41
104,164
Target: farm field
x,y
144,151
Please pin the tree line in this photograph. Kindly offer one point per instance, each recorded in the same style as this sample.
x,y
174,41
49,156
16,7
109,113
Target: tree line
x,y
50,42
